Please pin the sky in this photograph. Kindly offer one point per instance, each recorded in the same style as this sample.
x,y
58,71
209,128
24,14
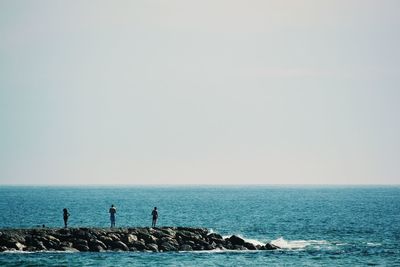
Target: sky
x,y
199,92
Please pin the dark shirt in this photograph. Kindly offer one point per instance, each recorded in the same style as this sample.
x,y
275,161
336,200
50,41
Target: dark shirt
x,y
155,214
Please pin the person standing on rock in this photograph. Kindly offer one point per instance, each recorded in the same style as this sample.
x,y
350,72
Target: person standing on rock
x,y
155,216
65,216
112,211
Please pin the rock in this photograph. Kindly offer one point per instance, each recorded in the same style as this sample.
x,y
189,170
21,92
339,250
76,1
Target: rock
x,y
106,240
186,247
97,249
114,237
138,245
235,240
250,246
81,247
80,242
69,249
186,236
169,240
51,245
171,245
152,247
129,238
214,236
140,231
119,245
39,245
94,245
147,238
239,247
120,239
270,246
81,234
158,233
65,244
52,238
30,249
190,243
199,231
169,232
15,245
227,244
211,246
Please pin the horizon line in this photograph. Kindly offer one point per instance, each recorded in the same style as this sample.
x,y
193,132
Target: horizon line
x,y
196,185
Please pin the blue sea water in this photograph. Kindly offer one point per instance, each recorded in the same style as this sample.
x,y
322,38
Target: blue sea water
x,y
314,225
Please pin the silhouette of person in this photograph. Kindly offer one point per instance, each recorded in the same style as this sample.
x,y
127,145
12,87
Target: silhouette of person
x,y
112,211
65,216
155,216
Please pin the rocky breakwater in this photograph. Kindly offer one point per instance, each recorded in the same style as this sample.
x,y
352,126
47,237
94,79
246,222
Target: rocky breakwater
x,y
121,239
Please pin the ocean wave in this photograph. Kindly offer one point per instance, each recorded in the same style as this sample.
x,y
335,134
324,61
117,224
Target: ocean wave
x,y
297,244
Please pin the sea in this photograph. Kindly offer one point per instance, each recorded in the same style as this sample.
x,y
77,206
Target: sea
x,y
313,225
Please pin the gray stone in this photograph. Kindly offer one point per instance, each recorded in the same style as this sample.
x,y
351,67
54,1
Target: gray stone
x,y
94,244
138,245
152,247
119,245
106,240
186,247
81,247
81,242
16,245
147,238
166,246
129,238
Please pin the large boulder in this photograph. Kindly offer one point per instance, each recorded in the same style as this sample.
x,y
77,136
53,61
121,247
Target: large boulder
x,y
147,238
167,246
81,245
129,238
106,240
160,233
215,236
168,231
169,240
119,245
235,240
96,245
16,245
250,246
152,246
138,245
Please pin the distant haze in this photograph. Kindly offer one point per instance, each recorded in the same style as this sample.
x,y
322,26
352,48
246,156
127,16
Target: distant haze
x,y
200,92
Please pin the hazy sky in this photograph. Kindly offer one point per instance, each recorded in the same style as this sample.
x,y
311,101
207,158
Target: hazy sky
x,y
199,92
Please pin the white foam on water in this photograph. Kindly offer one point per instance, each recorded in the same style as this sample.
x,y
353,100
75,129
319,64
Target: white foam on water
x,y
373,244
297,244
